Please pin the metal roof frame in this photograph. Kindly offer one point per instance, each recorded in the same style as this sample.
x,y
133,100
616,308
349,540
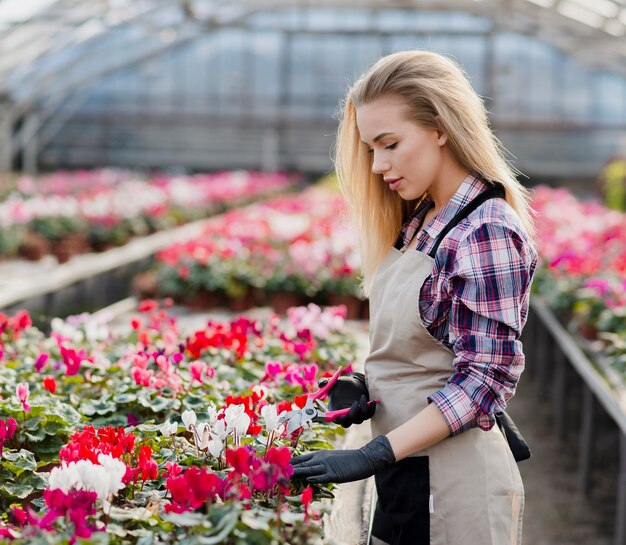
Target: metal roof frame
x,y
593,31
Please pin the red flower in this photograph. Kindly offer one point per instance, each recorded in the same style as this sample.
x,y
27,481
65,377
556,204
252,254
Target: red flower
x,y
239,459
135,323
148,467
307,496
193,489
147,305
50,384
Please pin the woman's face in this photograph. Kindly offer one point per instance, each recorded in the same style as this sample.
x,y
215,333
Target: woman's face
x,y
409,157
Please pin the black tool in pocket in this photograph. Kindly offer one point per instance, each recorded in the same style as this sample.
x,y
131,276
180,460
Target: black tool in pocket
x,y
518,445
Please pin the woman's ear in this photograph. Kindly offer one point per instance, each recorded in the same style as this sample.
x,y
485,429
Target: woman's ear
x,y
442,136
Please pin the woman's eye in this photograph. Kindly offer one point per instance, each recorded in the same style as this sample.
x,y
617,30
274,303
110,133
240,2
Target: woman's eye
x,y
392,146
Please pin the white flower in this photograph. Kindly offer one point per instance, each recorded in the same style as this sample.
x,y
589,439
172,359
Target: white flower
x,y
215,447
241,424
202,435
112,473
212,410
65,477
168,428
270,417
237,419
189,419
221,429
105,478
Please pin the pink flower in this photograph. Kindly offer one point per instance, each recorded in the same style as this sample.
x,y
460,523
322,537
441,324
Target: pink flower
x,y
197,369
172,469
23,392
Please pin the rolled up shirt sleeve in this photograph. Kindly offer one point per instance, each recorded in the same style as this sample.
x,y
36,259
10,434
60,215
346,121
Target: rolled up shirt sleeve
x,y
489,287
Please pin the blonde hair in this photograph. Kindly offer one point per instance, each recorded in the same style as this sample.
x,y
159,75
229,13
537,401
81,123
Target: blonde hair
x,y
438,95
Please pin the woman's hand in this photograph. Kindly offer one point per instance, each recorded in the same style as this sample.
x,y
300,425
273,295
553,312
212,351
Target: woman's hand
x,y
342,466
350,391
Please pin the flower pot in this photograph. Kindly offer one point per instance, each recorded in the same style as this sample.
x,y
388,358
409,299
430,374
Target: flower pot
x,y
204,300
587,331
34,247
69,246
365,309
240,304
352,304
145,285
280,301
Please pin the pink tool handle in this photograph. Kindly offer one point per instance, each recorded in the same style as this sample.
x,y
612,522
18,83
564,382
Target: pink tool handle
x,y
330,416
323,391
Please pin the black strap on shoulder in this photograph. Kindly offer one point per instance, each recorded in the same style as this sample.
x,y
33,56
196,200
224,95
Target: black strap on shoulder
x,y
495,192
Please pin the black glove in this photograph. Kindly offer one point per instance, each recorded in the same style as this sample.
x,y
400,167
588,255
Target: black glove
x,y
343,466
350,391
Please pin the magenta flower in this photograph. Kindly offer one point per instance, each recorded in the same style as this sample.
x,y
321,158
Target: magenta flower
x,y
41,361
7,430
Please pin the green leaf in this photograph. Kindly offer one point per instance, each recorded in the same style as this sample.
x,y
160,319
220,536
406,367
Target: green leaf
x,y
20,461
51,444
24,485
125,398
36,436
136,513
187,519
255,520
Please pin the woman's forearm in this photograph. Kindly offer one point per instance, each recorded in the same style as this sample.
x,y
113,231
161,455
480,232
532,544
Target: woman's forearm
x,y
424,430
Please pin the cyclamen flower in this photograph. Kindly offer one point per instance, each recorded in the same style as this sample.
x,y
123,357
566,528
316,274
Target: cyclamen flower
x,y
148,467
193,489
237,419
78,504
7,430
271,417
22,391
197,370
41,361
104,478
49,383
168,428
189,419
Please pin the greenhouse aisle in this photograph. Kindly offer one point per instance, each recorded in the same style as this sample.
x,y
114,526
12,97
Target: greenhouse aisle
x,y
556,512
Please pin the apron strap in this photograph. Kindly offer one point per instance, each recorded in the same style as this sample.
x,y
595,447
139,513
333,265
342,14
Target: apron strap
x,y
495,192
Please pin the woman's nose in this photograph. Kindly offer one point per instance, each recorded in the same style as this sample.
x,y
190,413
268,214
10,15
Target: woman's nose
x,y
379,164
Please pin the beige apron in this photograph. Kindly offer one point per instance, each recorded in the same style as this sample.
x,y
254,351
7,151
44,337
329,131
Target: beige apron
x,y
467,488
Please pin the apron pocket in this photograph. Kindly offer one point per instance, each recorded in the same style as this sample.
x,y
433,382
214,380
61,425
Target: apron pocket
x,y
402,515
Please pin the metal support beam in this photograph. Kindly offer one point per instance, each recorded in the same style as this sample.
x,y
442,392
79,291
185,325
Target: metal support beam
x,y
6,138
560,393
30,143
620,515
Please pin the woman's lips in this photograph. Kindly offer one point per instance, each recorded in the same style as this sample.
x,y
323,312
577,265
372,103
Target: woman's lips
x,y
394,183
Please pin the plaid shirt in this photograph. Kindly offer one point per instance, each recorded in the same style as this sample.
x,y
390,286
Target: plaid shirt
x,y
475,302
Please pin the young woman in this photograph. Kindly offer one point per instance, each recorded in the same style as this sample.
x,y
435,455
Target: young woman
x,y
447,261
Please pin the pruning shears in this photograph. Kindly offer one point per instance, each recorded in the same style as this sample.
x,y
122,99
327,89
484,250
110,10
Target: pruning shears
x,y
314,409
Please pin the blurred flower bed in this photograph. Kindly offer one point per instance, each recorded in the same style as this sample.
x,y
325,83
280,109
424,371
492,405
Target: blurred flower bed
x,y
146,433
69,213
279,252
582,275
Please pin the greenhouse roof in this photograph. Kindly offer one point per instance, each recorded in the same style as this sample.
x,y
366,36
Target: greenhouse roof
x,y
39,38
